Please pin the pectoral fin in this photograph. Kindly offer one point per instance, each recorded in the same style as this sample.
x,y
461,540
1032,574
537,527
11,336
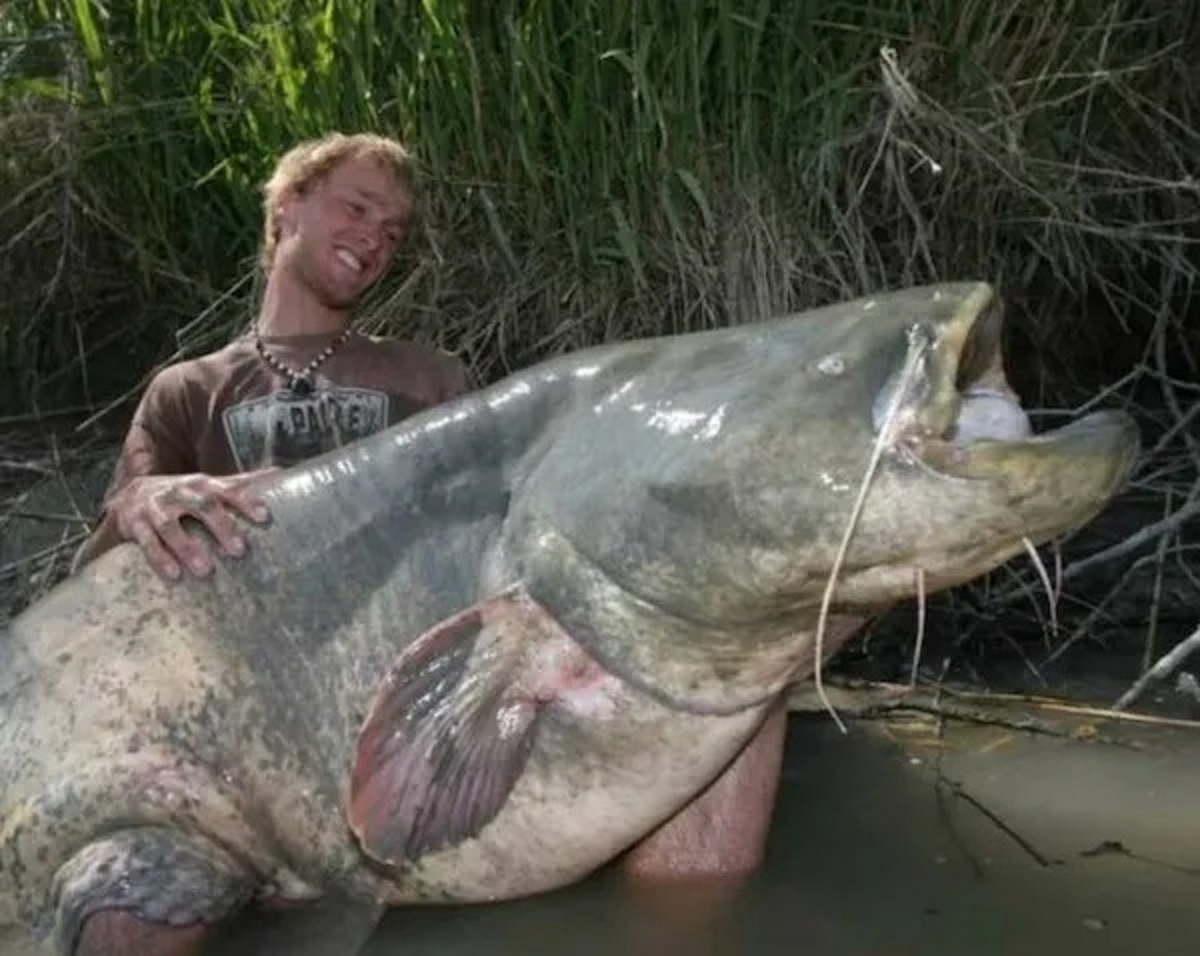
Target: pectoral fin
x,y
449,731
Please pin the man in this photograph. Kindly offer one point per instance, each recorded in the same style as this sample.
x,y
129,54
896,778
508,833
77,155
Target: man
x,y
207,429
301,383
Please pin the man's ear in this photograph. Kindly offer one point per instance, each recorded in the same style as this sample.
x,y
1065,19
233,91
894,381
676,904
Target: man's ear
x,y
287,210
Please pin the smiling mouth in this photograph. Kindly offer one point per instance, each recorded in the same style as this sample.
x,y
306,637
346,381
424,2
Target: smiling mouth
x,y
351,261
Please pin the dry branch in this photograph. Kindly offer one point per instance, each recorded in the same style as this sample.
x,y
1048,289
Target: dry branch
x,y
1164,668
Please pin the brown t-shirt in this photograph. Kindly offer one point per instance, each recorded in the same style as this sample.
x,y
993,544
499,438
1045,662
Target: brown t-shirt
x,y
229,412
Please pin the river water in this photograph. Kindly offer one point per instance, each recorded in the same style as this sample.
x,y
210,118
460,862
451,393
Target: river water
x,y
890,841
895,839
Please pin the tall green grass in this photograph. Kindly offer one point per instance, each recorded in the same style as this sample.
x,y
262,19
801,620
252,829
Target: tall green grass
x,y
592,169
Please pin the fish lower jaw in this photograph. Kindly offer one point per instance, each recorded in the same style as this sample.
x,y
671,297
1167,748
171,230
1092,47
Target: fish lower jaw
x,y
872,590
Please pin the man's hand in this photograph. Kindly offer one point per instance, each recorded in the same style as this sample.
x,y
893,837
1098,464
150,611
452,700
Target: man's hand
x,y
150,510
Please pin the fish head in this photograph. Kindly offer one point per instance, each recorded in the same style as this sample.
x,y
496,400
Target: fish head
x,y
713,487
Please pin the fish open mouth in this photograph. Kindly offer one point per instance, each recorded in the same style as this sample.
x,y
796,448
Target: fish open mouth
x,y
951,407
988,407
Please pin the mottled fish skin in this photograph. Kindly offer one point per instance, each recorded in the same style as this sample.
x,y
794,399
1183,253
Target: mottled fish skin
x,y
670,507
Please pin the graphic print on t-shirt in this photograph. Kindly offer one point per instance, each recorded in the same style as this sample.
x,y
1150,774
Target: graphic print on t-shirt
x,y
284,429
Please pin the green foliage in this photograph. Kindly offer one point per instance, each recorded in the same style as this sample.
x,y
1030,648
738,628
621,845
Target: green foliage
x,y
591,169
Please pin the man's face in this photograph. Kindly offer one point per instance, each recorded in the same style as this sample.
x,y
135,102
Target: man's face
x,y
339,236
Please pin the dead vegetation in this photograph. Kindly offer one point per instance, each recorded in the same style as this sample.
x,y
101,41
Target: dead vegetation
x,y
576,194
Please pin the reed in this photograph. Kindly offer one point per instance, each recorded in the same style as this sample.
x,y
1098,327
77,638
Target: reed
x,y
593,170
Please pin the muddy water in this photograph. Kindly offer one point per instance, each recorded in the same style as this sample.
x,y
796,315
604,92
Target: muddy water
x,y
894,839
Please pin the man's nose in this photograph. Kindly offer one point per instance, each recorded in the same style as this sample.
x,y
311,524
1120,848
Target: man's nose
x,y
369,236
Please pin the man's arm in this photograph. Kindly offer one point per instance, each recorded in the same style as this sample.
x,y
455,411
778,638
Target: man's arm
x,y
456,378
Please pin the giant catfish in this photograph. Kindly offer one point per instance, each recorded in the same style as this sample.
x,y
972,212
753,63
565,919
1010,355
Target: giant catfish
x,y
484,652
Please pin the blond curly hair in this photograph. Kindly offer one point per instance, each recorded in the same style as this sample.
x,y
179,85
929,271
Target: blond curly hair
x,y
306,164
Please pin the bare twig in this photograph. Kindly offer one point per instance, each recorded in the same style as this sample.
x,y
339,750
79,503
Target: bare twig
x,y
1139,539
1166,664
961,792
1160,560
1084,628
49,552
36,417
45,516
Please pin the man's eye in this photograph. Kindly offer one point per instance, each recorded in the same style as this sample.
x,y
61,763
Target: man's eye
x,y
356,208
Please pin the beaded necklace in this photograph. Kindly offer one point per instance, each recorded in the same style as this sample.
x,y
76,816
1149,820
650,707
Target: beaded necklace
x,y
300,383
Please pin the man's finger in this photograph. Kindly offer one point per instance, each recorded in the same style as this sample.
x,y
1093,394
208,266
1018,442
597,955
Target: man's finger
x,y
221,525
247,502
160,559
247,477
246,497
186,548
